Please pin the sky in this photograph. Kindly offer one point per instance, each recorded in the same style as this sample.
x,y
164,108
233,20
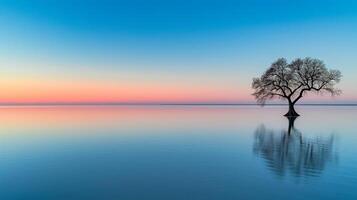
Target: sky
x,y
166,51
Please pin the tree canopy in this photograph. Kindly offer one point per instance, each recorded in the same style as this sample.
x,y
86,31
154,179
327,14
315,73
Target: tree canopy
x,y
292,80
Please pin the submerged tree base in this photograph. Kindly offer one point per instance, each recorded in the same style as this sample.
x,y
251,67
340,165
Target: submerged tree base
x,y
291,112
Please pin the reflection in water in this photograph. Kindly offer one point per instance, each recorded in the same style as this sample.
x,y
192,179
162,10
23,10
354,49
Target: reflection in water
x,y
288,151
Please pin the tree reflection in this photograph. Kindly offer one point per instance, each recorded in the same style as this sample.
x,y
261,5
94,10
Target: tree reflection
x,y
288,151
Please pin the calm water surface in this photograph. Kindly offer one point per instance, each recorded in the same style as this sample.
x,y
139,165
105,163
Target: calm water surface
x,y
177,152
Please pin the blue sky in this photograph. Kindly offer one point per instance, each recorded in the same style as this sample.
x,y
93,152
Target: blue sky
x,y
207,44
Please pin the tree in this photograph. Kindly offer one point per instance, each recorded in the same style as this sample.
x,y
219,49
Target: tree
x,y
291,81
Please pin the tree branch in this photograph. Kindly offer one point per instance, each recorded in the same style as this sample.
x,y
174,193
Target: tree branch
x,y
301,94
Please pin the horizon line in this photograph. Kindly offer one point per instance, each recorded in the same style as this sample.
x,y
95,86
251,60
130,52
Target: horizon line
x,y
171,104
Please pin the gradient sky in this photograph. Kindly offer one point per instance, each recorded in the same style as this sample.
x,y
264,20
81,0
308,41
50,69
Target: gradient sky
x,y
166,51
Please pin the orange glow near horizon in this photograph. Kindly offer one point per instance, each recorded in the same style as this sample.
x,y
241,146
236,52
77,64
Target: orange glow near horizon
x,y
97,91
134,88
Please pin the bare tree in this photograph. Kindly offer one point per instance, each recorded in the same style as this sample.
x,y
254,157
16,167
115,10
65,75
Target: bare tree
x,y
291,81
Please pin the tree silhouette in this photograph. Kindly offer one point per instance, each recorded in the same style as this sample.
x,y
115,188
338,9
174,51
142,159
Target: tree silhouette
x,y
291,81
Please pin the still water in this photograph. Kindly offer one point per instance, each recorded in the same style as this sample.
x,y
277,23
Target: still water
x,y
177,152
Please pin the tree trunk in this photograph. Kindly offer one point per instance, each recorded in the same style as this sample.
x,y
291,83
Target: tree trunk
x,y
291,112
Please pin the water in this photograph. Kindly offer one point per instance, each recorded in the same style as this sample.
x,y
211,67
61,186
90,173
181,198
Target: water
x,y
177,152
